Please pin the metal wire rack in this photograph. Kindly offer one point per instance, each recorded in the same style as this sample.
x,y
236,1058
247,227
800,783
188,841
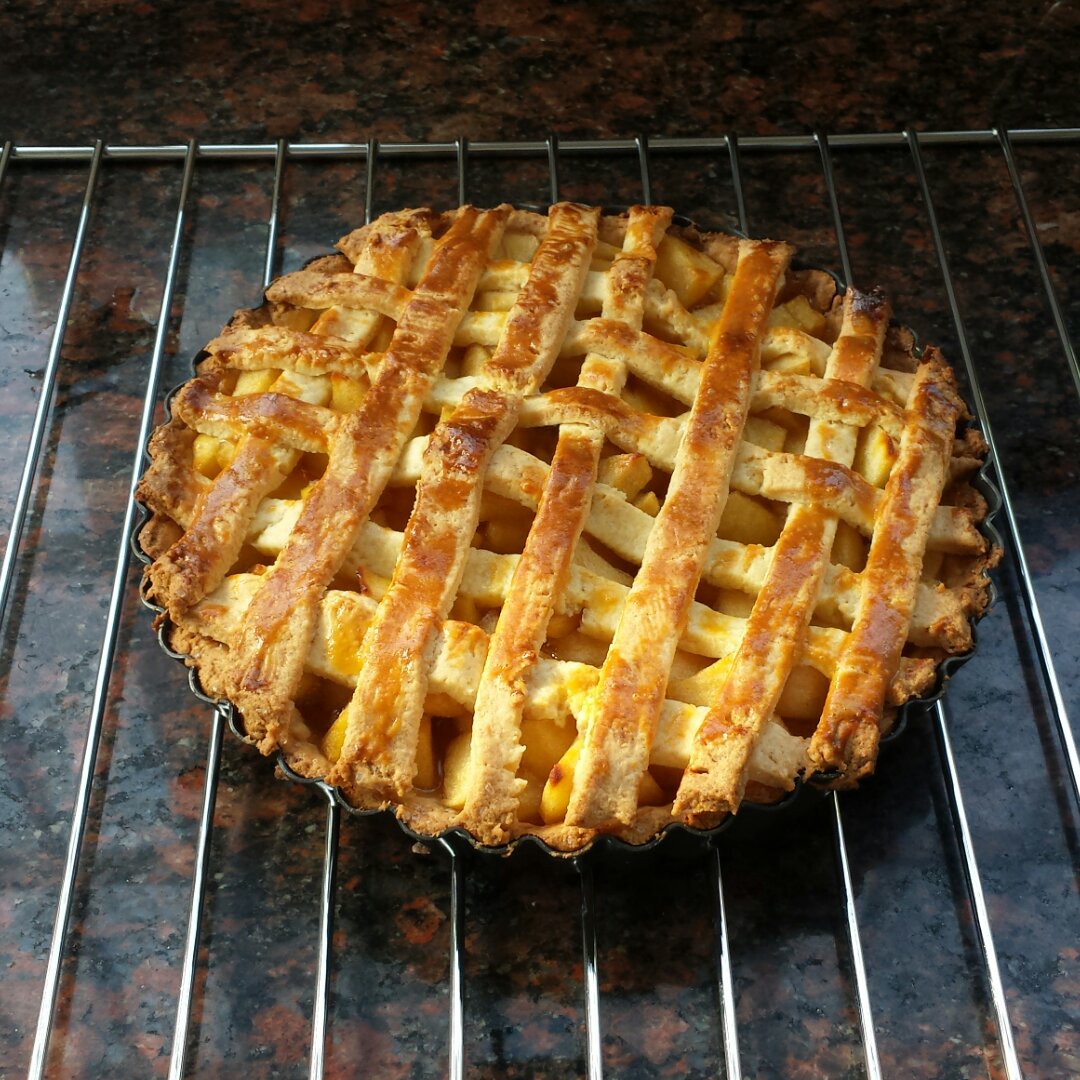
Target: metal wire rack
x,y
996,995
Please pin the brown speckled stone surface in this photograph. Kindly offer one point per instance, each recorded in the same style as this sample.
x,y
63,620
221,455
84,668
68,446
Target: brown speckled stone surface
x,y
162,73
143,71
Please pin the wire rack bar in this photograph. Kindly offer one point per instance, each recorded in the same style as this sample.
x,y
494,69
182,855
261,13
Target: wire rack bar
x,y
499,148
862,983
456,1070
733,147
972,875
320,1009
462,169
728,1019
978,900
728,1016
5,157
1044,650
553,165
862,988
594,1060
729,1023
456,1062
1040,258
324,958
462,157
959,818
643,164
274,223
372,157
834,206
736,182
182,1020
178,1055
48,384
116,601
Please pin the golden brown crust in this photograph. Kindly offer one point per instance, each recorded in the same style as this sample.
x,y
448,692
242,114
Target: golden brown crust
x,y
573,388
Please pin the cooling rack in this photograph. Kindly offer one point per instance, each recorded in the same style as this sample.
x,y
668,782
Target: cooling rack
x,y
856,938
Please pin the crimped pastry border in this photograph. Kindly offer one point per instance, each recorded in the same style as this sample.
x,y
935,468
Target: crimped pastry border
x,y
424,817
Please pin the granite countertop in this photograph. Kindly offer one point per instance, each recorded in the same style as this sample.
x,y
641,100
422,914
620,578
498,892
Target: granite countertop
x,y
143,73
139,72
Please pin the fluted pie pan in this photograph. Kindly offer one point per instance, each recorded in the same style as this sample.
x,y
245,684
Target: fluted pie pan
x,y
566,525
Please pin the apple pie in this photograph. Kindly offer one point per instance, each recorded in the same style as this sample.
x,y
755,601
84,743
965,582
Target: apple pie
x,y
565,524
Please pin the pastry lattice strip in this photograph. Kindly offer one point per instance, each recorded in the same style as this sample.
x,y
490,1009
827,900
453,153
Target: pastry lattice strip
x,y
713,783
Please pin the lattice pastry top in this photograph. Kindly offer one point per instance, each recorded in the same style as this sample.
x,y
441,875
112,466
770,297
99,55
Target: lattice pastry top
x,y
563,524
